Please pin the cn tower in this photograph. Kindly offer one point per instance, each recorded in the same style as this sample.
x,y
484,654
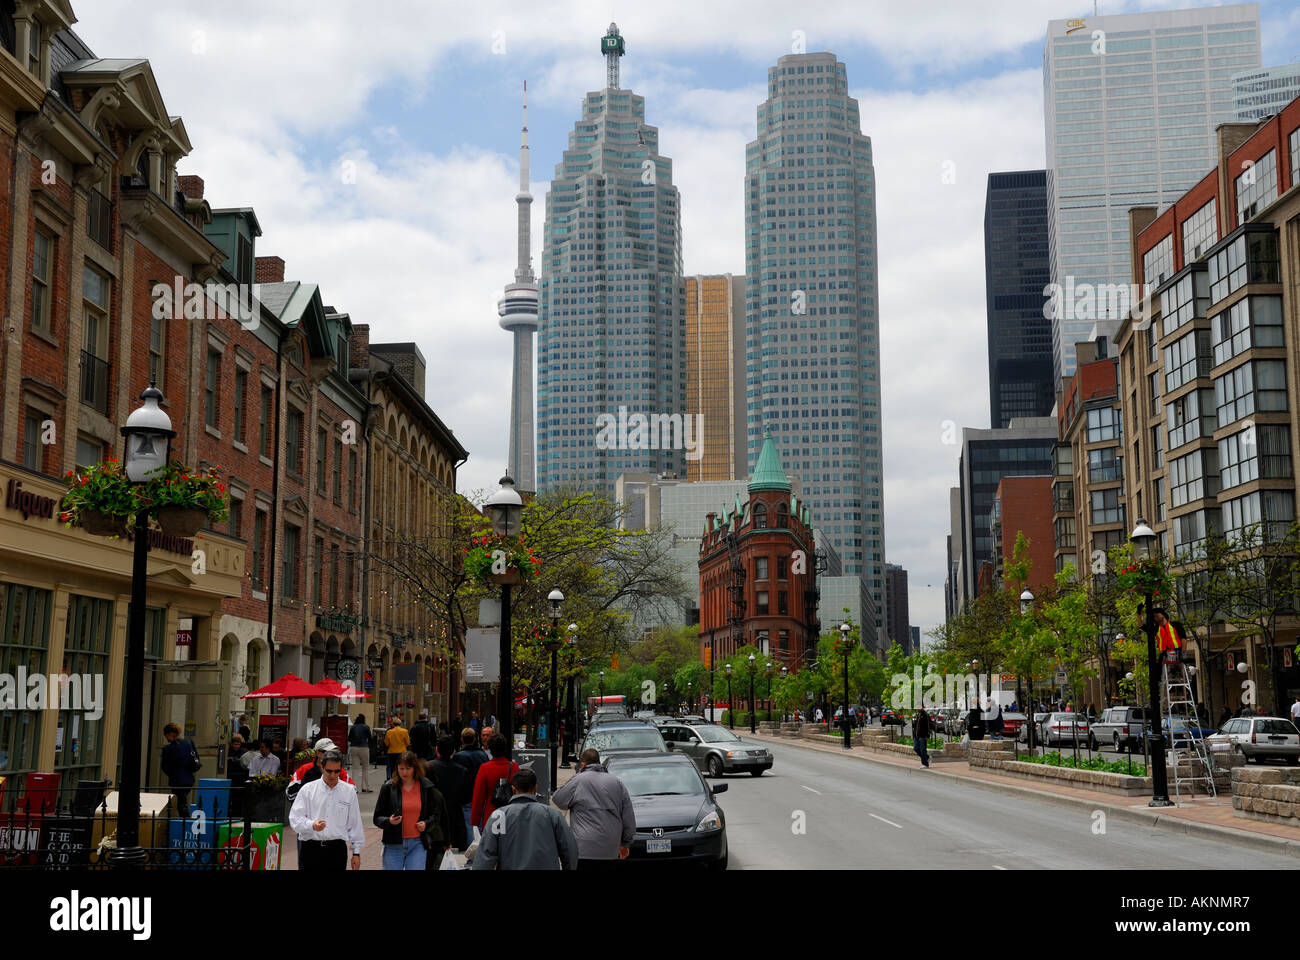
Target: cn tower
x,y
518,310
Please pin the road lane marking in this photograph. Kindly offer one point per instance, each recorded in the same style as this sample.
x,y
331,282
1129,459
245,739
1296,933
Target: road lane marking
x,y
818,792
890,822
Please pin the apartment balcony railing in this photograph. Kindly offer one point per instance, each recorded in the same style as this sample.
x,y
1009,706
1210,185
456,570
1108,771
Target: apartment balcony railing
x,y
94,382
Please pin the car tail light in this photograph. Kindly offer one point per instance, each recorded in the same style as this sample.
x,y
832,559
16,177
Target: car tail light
x,y
1125,731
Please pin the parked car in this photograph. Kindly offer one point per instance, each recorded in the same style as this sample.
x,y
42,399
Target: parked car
x,y
941,718
621,739
716,749
1260,738
1039,719
677,818
1121,727
1184,730
1067,728
1011,723
891,718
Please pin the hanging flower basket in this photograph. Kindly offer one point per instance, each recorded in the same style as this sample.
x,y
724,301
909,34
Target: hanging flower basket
x,y
102,524
181,521
99,499
500,560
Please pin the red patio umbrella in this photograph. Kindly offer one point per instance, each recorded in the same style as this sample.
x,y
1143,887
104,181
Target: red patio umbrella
x,y
341,691
288,687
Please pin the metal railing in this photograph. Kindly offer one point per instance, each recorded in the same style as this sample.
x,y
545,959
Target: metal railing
x,y
39,833
94,381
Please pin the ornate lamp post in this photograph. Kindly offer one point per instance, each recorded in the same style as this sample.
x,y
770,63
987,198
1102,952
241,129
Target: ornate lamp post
x,y
785,672
752,713
1144,542
845,629
505,508
1026,605
148,436
556,599
731,707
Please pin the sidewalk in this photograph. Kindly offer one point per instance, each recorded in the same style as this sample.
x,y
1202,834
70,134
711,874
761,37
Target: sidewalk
x,y
1201,816
373,853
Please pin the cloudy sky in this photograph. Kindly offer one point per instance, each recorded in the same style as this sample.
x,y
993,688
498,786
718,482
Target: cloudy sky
x,y
379,145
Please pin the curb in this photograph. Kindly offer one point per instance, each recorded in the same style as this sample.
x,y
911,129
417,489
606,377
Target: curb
x,y
1175,824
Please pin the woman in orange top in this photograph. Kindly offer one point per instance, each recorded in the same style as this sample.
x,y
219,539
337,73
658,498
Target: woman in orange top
x,y
403,808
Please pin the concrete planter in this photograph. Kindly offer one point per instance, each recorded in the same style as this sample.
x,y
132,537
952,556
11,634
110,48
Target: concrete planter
x,y
1271,794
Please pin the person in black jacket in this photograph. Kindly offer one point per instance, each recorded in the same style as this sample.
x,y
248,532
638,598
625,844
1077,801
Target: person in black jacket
x,y
422,738
178,762
408,842
921,735
469,757
975,721
452,782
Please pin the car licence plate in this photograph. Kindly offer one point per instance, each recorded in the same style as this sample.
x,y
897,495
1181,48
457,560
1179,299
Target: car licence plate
x,y
658,846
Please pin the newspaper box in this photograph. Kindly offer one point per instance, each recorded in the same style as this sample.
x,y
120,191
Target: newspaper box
x,y
267,839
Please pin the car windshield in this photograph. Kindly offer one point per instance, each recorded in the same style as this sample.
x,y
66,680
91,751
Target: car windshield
x,y
712,734
658,779
623,739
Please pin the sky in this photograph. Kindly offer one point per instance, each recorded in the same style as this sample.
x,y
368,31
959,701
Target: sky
x,y
379,145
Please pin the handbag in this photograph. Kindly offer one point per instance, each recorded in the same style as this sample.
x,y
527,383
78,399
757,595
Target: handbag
x,y
501,793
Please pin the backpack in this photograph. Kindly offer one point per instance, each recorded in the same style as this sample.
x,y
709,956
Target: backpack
x,y
501,793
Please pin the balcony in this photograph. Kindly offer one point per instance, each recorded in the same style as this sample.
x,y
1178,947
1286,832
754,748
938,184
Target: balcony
x,y
94,382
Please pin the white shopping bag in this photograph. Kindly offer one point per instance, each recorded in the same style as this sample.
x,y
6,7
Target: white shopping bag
x,y
448,861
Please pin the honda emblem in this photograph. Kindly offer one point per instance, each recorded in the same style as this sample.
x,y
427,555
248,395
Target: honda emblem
x,y
658,831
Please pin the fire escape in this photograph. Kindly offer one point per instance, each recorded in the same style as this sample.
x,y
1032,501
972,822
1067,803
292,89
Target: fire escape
x,y
811,597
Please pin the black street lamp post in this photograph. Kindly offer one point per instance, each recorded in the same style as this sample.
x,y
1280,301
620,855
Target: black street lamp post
x,y
785,672
555,598
148,435
752,711
571,727
1144,540
505,509
1026,605
767,668
731,707
845,629
712,711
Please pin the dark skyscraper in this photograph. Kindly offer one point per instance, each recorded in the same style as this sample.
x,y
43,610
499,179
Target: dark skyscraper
x,y
1016,268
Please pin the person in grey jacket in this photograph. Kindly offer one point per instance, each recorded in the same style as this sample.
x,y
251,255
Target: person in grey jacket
x,y
526,834
600,811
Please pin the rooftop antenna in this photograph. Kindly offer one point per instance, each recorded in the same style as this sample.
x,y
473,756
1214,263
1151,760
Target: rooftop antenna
x,y
611,45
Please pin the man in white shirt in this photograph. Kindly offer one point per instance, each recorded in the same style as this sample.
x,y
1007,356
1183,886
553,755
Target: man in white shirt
x,y
326,816
264,762
1295,712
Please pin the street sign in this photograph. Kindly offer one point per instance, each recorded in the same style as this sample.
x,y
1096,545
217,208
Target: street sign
x,y
474,672
613,662
484,647
1061,677
708,657
539,761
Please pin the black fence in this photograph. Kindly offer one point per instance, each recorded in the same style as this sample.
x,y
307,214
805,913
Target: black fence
x,y
37,832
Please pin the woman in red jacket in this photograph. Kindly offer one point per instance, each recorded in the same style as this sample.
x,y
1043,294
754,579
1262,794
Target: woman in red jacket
x,y
489,774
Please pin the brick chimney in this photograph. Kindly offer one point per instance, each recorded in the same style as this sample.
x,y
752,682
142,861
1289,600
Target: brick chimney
x,y
268,270
191,186
359,347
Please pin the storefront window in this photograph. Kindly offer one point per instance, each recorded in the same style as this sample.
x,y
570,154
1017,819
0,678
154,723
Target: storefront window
x,y
79,741
24,639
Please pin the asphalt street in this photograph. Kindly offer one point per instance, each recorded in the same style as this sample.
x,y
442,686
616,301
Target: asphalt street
x,y
820,811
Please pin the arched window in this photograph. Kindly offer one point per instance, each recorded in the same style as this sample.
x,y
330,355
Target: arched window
x,y
760,516
783,516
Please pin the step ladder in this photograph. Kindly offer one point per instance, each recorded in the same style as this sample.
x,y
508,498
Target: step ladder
x,y
1190,760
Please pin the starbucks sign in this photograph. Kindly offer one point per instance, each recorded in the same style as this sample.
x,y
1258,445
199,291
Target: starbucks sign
x,y
348,668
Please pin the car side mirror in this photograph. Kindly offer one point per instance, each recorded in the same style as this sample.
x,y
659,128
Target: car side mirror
x,y
693,740
668,744
719,788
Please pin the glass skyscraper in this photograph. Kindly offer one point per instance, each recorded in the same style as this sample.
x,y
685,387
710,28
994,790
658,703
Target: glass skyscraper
x,y
1015,272
812,340
1262,93
1131,103
612,311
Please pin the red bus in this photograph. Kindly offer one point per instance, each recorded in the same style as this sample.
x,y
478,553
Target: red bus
x,y
611,704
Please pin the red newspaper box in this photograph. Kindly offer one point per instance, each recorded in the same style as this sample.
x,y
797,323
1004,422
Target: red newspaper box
x,y
40,793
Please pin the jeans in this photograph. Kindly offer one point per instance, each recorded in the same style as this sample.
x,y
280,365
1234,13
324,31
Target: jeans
x,y
392,763
919,748
410,855
467,809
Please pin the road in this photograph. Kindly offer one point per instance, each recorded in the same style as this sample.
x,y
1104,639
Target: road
x,y
858,814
